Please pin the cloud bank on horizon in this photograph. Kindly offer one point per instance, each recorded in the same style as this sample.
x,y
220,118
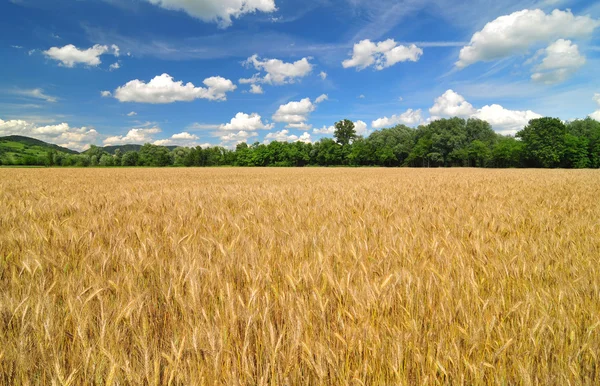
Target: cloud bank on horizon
x,y
221,72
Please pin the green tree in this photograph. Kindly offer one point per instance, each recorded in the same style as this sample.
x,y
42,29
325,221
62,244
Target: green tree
x,y
327,152
391,147
152,155
544,142
130,158
507,153
589,129
479,153
179,155
106,160
118,157
576,152
344,132
49,158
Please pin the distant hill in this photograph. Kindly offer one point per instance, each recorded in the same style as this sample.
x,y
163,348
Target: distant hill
x,y
124,148
34,142
19,150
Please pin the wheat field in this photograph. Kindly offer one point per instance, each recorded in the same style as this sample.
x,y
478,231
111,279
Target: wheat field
x,y
299,277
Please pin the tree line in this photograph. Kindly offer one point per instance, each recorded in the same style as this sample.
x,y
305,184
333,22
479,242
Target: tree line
x,y
455,142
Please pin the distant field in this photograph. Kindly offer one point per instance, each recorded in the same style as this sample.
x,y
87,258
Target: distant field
x,y
299,276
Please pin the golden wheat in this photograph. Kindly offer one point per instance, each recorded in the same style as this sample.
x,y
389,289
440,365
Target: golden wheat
x,y
299,276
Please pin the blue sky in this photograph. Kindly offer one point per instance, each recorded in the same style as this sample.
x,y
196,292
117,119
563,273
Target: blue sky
x,y
196,72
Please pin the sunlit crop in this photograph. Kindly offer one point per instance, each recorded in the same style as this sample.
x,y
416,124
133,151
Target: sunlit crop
x,y
299,276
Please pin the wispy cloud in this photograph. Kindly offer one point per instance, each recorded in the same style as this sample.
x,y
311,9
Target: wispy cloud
x,y
36,93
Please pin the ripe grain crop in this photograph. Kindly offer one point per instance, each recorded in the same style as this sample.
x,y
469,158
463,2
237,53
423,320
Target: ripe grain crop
x,y
299,276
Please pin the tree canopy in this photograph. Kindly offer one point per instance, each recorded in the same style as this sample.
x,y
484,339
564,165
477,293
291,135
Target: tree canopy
x,y
455,142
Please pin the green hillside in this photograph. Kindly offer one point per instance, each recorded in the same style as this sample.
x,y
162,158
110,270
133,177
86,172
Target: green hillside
x,y
18,150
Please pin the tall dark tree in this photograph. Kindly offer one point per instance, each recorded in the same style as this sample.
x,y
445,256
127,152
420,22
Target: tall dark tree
x,y
344,132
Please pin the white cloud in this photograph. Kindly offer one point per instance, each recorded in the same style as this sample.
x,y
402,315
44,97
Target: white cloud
x,y
410,118
359,126
277,71
294,112
321,98
323,75
220,11
515,33
285,136
132,114
133,136
70,55
361,96
596,114
202,126
329,130
245,122
76,138
299,126
114,66
116,50
181,139
105,94
239,137
256,89
382,55
163,89
451,104
37,93
503,120
561,61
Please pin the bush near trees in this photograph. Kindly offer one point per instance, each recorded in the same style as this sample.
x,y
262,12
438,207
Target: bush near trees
x,y
455,142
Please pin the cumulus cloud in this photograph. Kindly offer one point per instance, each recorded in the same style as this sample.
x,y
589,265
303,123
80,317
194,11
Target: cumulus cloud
x,y
133,136
328,130
202,126
285,136
37,93
277,71
323,75
516,33
245,122
561,61
294,112
76,138
69,55
114,66
596,114
503,120
321,98
359,126
105,94
163,89
299,126
220,11
239,137
451,104
132,114
410,118
181,139
382,55
256,89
